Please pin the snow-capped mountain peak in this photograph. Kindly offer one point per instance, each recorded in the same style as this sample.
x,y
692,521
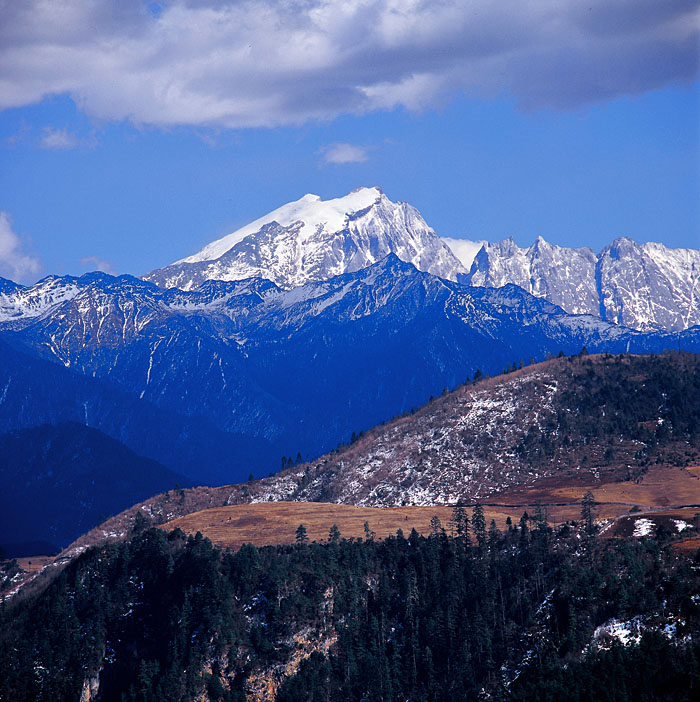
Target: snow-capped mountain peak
x,y
312,239
310,210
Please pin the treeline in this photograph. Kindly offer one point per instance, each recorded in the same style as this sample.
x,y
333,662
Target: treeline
x,y
469,612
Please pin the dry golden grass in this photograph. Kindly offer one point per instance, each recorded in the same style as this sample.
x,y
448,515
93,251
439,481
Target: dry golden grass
x,y
661,486
33,563
269,523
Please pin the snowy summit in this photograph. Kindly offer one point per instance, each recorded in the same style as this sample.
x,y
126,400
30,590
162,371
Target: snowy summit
x,y
313,239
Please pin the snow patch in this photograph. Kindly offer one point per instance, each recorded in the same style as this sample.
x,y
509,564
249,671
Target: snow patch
x,y
643,527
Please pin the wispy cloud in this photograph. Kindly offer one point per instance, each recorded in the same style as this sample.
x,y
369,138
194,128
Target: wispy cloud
x,y
62,140
58,139
95,263
464,249
15,263
273,62
341,152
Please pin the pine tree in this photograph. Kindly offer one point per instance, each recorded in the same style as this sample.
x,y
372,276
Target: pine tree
x,y
302,537
494,534
587,513
334,534
459,524
479,525
436,526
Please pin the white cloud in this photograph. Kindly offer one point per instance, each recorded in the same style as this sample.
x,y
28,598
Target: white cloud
x,y
62,140
243,63
95,263
15,264
341,152
464,249
58,139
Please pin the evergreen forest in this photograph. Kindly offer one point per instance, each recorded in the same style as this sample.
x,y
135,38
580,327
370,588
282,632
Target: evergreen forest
x,y
469,612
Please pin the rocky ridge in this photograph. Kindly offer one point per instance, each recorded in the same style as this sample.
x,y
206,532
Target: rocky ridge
x,y
642,286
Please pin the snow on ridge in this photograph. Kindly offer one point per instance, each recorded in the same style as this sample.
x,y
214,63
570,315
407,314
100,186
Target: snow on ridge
x,y
647,287
436,457
641,286
36,300
313,240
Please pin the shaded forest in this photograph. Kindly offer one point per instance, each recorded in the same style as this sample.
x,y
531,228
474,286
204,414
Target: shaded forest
x,y
469,612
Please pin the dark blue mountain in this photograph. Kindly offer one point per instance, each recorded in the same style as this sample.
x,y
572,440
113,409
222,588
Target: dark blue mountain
x,y
299,369
36,391
57,482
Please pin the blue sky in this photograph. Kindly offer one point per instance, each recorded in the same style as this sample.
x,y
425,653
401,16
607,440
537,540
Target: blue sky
x,y
159,128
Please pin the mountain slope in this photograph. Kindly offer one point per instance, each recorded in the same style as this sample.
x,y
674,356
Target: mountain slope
x,y
627,426
35,391
576,418
313,240
641,286
56,482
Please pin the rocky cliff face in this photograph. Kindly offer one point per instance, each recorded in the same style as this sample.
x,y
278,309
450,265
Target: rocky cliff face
x,y
563,276
641,286
649,286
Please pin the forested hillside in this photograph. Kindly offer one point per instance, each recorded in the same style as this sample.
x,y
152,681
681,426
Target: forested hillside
x,y
571,423
531,613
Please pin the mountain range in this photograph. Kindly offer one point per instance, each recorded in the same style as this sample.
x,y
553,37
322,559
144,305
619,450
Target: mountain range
x,y
298,369
641,286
